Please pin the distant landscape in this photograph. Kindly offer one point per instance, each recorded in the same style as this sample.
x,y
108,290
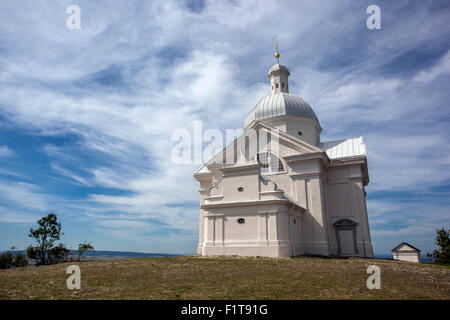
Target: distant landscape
x,y
110,255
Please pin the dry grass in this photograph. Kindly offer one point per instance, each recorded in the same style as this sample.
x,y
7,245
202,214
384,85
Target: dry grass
x,y
196,277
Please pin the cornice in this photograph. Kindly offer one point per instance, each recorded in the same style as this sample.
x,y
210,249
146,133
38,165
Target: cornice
x,y
249,203
321,156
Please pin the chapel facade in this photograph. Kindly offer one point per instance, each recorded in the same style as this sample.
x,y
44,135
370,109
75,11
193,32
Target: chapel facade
x,y
279,191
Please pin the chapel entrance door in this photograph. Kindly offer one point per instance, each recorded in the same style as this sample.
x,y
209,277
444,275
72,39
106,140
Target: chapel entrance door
x,y
346,242
346,237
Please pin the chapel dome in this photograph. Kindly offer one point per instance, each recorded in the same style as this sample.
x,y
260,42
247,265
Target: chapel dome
x,y
280,104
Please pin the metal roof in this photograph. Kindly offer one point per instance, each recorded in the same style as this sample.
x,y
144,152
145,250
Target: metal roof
x,y
334,149
344,148
279,104
406,244
278,67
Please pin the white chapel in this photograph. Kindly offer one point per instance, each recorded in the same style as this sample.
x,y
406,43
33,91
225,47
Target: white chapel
x,y
279,191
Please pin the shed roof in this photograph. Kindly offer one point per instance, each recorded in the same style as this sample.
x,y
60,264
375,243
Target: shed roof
x,y
404,243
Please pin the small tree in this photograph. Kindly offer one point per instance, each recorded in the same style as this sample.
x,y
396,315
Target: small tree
x,y
442,254
84,247
48,232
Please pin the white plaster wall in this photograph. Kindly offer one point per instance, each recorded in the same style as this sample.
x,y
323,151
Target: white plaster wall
x,y
265,231
245,232
410,257
306,167
346,199
308,127
292,125
248,181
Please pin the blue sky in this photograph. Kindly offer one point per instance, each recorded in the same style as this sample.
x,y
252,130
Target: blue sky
x,y
86,116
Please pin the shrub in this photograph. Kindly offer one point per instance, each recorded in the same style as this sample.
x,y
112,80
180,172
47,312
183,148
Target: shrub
x,y
9,260
58,254
6,260
20,260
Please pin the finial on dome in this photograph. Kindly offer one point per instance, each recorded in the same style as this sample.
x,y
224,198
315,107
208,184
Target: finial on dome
x,y
277,54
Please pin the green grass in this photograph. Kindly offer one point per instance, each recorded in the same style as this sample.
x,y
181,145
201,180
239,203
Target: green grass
x,y
195,277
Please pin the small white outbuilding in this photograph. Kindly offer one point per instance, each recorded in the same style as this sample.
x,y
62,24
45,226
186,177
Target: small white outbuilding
x,y
406,252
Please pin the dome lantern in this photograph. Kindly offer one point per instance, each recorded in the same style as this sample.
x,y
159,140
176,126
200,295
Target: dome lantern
x,y
285,111
278,76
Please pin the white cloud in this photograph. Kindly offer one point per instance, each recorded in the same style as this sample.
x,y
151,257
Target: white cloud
x,y
5,151
442,67
69,174
23,194
8,216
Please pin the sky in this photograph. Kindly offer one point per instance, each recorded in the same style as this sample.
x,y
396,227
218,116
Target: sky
x,y
87,115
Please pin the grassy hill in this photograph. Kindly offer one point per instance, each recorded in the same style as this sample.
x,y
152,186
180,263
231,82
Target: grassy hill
x,y
194,277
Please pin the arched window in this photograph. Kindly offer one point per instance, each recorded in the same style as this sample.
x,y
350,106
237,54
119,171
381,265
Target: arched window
x,y
270,163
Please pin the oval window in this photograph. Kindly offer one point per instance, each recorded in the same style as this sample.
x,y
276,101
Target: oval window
x,y
300,133
240,189
241,220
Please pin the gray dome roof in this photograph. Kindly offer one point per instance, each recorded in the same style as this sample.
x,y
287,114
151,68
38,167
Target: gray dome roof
x,y
278,67
280,104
